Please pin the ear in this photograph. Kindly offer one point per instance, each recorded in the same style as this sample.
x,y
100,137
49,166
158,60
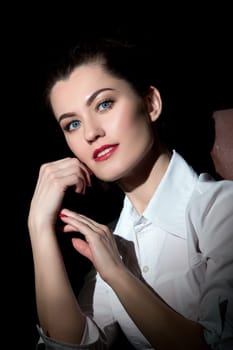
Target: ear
x,y
153,103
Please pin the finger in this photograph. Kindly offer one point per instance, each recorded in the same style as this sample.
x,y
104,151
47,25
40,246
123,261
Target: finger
x,y
86,220
76,219
68,228
80,186
89,231
87,173
65,178
82,247
81,225
64,162
72,165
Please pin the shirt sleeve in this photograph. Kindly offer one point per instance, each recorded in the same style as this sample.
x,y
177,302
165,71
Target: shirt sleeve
x,y
213,225
96,341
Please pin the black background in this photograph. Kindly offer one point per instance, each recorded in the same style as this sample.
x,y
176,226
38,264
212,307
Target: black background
x,y
195,45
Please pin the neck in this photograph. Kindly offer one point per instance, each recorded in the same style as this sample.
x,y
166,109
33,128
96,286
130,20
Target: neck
x,y
143,182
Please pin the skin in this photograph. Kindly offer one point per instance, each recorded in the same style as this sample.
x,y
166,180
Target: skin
x,y
95,109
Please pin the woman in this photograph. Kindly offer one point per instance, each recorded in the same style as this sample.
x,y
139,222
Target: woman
x,y
163,275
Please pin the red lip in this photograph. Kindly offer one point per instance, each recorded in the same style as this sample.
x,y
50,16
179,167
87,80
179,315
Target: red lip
x,y
111,149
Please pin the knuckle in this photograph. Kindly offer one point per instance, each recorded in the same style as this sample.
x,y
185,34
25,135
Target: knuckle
x,y
44,167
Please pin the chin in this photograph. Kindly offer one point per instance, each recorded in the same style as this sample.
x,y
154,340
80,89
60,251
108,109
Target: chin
x,y
108,177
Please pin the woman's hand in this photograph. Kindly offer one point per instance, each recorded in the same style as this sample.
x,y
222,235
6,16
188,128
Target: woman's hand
x,y
59,313
53,181
99,245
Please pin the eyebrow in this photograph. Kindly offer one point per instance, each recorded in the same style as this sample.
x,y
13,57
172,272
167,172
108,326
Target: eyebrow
x,y
88,103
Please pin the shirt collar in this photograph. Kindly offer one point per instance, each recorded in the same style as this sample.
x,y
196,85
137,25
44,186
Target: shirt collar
x,y
168,205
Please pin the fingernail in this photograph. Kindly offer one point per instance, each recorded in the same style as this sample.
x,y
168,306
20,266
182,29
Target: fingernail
x,y
63,215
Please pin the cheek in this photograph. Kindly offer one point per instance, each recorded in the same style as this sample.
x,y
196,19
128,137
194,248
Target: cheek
x,y
137,126
128,118
76,146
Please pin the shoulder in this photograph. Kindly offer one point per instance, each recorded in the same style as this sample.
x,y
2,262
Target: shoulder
x,y
210,212
209,193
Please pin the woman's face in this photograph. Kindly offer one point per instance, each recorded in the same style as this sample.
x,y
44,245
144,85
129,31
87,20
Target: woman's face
x,y
106,125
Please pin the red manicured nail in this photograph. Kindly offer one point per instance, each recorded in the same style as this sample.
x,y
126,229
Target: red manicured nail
x,y
63,215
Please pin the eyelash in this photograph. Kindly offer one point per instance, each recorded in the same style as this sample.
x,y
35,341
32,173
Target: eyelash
x,y
69,125
107,102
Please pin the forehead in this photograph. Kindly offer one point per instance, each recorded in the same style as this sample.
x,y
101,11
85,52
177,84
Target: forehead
x,y
81,83
83,77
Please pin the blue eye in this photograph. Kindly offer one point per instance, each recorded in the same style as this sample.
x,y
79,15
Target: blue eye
x,y
105,105
73,125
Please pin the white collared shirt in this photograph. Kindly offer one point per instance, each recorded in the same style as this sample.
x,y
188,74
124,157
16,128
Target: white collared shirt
x,y
182,246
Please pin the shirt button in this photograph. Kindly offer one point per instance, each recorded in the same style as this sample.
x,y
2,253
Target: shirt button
x,y
145,268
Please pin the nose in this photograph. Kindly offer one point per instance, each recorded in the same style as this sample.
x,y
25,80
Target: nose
x,y
92,131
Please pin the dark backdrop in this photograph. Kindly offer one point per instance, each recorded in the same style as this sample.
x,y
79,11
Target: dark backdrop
x,y
197,65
